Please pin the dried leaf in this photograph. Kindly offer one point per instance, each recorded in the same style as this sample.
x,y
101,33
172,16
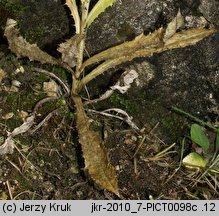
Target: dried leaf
x,y
7,147
99,7
95,155
69,50
122,85
22,48
187,38
8,116
174,25
24,127
9,89
142,41
142,46
125,81
126,118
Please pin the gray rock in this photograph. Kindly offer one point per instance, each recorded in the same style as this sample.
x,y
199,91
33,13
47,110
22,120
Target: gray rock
x,y
127,19
187,77
43,22
210,10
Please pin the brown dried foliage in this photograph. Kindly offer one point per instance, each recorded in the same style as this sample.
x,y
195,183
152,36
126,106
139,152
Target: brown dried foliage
x,y
94,153
22,48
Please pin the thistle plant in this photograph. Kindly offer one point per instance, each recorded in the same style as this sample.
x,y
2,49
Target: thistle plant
x,y
73,59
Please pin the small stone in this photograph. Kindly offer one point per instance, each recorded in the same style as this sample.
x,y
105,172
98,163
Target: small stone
x,y
16,83
8,116
51,88
19,70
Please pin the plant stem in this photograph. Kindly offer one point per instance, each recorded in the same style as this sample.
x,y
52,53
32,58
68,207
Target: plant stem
x,y
206,124
100,70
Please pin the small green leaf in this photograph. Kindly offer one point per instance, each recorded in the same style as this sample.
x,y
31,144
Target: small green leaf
x,y
194,160
198,136
99,7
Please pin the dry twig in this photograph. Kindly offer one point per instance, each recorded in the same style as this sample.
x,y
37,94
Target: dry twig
x,y
126,118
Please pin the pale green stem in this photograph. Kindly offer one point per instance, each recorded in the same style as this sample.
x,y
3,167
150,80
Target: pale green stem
x,y
99,70
205,124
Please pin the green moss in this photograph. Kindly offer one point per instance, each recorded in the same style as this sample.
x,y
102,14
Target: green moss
x,y
40,78
62,73
30,100
22,101
173,124
11,100
121,101
126,31
12,6
32,35
26,184
69,115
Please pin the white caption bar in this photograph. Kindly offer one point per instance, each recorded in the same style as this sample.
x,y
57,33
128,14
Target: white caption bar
x,y
111,208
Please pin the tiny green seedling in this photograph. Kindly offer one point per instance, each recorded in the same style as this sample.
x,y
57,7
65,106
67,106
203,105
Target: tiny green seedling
x,y
204,158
